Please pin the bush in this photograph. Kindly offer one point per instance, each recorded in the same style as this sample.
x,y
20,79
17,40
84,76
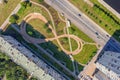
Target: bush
x,y
49,30
105,13
46,25
72,30
40,0
25,4
13,18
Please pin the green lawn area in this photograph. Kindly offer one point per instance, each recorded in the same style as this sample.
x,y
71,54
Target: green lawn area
x,y
74,30
33,33
86,54
59,24
105,19
58,53
73,44
17,36
39,28
6,9
65,43
11,70
25,11
38,1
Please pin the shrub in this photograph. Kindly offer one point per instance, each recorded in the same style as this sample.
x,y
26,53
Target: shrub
x,y
49,30
13,18
25,4
40,0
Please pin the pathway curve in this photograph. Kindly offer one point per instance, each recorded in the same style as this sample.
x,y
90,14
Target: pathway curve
x,y
38,41
56,37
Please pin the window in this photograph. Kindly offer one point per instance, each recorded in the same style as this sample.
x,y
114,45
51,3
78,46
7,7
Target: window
x,y
119,57
12,53
118,68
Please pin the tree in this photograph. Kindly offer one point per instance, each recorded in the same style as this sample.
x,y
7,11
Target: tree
x,y
13,18
25,4
49,30
40,0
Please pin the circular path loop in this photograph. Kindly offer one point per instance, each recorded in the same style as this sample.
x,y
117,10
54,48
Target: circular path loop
x,y
38,41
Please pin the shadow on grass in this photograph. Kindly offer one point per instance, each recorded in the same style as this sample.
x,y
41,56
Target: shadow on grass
x,y
50,47
111,45
33,33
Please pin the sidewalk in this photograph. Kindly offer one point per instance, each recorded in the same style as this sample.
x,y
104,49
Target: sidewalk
x,y
3,26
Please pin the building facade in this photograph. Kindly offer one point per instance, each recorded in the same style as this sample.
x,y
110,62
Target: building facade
x,y
109,64
25,58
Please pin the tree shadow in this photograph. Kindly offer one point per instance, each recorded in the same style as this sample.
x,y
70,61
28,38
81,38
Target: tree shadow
x,y
33,32
49,46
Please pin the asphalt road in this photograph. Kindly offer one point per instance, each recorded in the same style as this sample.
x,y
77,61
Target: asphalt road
x,y
84,23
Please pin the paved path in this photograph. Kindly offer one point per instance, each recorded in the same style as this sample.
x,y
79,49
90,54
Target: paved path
x,y
36,41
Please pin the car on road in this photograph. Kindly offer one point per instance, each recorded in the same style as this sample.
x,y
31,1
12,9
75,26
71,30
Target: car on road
x,y
107,35
79,14
96,33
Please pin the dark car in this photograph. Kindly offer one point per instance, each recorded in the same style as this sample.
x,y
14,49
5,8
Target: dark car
x,y
79,14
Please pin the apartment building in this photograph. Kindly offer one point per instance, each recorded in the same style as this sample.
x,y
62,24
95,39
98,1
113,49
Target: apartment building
x,y
25,58
109,64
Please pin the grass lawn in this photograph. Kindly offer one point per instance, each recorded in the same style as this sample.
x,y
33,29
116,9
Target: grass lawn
x,y
33,33
65,43
59,24
11,70
6,9
74,30
58,53
105,19
25,11
73,44
86,54
36,1
40,28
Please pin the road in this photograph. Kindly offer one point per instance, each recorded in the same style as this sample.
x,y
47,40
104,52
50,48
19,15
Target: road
x,y
84,23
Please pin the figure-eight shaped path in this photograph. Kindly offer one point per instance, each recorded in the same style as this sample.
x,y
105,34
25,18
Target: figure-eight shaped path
x,y
56,37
